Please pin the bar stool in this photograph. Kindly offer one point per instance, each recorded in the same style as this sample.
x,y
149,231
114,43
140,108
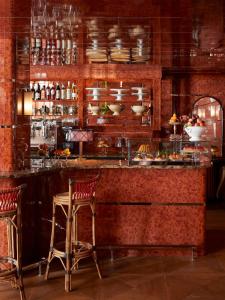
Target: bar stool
x,y
81,193
10,213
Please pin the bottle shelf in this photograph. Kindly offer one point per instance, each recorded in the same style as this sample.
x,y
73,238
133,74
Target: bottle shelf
x,y
52,117
61,101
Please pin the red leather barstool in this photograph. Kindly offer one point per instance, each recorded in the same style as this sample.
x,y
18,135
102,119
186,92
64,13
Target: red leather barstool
x,y
10,213
81,193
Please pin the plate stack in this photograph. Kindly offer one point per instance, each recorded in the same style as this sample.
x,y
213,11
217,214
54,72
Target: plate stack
x,y
140,54
95,53
118,53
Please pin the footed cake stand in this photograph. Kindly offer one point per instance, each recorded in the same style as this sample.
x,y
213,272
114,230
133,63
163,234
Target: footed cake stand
x,y
175,136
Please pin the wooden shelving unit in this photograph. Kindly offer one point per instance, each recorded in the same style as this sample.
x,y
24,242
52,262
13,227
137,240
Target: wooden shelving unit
x,y
87,74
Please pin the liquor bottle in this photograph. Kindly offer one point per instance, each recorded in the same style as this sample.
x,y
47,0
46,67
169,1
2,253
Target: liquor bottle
x,y
37,93
38,39
53,92
32,90
33,43
42,60
74,53
48,52
63,46
68,52
63,92
57,41
57,50
57,92
74,91
43,52
43,93
68,91
53,54
48,92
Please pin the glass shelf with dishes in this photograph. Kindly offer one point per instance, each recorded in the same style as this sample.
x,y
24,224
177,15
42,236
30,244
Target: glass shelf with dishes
x,y
145,152
118,41
118,103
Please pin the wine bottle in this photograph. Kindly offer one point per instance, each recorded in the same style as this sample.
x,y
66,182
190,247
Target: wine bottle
x,y
48,92
32,90
53,92
37,95
57,92
68,91
43,93
74,91
63,92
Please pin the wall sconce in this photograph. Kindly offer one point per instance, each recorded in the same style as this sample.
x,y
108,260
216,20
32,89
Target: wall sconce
x,y
24,103
80,135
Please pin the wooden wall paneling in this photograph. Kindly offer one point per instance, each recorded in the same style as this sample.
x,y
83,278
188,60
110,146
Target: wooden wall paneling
x,y
156,39
81,106
166,102
156,104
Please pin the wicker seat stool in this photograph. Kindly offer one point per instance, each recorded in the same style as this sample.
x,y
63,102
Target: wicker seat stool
x,y
10,213
81,193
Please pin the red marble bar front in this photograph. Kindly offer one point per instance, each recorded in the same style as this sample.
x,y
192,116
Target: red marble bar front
x,y
150,207
135,207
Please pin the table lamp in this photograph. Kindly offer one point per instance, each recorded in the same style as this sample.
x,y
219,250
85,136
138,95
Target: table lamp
x,y
80,135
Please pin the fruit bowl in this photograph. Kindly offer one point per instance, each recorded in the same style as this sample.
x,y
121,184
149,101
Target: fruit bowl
x,y
138,109
115,108
195,132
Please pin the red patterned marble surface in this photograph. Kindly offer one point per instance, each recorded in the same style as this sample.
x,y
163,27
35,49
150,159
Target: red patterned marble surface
x,y
163,223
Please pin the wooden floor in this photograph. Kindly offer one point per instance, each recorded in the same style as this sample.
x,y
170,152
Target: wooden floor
x,y
142,278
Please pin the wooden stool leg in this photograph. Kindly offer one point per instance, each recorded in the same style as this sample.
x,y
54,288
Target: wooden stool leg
x,y
75,234
21,288
68,249
19,254
51,241
93,240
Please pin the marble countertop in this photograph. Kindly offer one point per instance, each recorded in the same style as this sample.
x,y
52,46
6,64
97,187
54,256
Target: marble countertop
x,y
93,164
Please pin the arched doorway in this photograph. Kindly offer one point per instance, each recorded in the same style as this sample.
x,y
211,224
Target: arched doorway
x,y
210,110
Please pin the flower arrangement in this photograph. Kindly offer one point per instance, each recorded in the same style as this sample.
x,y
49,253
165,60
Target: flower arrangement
x,y
187,120
193,120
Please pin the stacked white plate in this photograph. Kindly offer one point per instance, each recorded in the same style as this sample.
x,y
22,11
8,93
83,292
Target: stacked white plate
x,y
95,92
140,53
119,93
96,53
141,92
119,53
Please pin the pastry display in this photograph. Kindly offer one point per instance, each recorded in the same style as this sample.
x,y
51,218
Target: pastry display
x,y
161,156
176,156
194,149
137,158
144,148
102,144
149,156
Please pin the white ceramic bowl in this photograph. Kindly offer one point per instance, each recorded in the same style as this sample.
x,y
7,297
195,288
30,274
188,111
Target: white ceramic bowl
x,y
138,109
115,108
94,109
195,132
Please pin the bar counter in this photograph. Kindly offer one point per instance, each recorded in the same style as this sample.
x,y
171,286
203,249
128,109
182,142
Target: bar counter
x,y
140,210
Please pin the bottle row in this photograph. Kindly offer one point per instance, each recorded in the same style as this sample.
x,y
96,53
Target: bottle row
x,y
53,56
50,91
54,110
